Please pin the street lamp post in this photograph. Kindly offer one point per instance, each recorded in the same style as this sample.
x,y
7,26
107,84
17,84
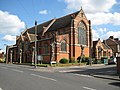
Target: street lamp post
x,y
35,44
6,54
20,56
33,55
11,52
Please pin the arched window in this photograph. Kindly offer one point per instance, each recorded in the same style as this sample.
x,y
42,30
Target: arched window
x,y
63,46
46,50
82,39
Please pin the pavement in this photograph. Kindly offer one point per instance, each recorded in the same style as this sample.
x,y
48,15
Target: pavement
x,y
109,72
98,71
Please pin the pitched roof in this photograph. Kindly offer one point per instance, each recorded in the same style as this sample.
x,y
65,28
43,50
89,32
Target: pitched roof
x,y
111,41
63,21
117,40
39,27
104,42
51,26
32,37
59,23
105,46
47,28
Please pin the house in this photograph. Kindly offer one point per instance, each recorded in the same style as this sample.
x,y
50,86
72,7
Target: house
x,y
114,44
100,49
1,54
58,38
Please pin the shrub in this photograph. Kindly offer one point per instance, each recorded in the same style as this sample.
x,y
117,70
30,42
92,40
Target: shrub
x,y
83,59
87,60
99,61
64,60
79,59
94,61
2,60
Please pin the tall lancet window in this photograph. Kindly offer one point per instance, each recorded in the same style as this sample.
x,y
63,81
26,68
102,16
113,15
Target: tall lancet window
x,y
63,46
82,39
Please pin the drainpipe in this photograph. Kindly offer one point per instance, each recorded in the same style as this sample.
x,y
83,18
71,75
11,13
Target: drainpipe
x,y
90,44
73,34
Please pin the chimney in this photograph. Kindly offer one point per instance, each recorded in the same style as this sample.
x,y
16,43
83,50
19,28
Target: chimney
x,y
111,37
104,41
98,39
116,39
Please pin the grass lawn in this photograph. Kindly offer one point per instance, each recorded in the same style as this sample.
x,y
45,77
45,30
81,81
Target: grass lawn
x,y
70,64
54,65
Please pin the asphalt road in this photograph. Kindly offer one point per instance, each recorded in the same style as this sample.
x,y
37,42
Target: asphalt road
x,y
13,77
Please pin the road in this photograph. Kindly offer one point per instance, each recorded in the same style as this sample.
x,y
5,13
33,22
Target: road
x,y
13,77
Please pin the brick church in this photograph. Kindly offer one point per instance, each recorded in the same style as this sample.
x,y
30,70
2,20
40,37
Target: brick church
x,y
58,38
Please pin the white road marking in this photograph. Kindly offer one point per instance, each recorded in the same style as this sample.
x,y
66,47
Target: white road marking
x,y
82,75
68,70
85,75
1,89
16,70
4,67
87,88
43,77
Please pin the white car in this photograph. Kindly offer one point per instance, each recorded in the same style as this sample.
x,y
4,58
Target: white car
x,y
115,60
112,60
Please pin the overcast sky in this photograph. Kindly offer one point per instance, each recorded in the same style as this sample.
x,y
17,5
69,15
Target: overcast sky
x,y
16,15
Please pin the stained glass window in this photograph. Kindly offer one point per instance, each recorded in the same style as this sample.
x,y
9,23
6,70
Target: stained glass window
x,y
82,34
63,46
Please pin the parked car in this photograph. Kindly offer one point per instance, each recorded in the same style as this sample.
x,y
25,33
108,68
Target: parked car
x,y
112,60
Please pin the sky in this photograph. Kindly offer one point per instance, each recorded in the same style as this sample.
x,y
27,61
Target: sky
x,y
17,15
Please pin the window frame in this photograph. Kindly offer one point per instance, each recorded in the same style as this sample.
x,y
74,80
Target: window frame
x,y
82,33
46,48
64,46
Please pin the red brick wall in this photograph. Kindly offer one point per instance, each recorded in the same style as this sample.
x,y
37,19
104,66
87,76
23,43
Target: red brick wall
x,y
78,51
68,34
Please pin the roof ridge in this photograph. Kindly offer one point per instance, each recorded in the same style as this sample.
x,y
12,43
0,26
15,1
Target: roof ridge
x,y
107,44
42,23
68,15
113,41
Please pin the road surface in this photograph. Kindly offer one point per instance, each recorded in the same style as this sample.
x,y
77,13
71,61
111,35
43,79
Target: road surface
x,y
13,77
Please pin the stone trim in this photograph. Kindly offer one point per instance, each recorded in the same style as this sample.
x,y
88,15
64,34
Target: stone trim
x,y
64,52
